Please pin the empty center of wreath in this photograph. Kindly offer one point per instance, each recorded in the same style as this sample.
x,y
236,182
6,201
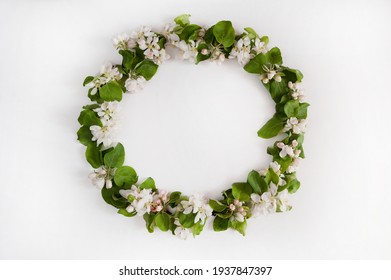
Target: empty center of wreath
x,y
196,122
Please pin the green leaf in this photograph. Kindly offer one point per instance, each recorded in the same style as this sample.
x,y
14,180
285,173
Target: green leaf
x,y
187,220
149,222
113,197
146,68
111,92
254,66
294,185
271,128
149,183
273,176
224,33
274,56
209,37
84,135
220,224
182,20
125,176
162,221
87,80
116,157
241,191
94,155
240,227
88,117
127,58
174,198
291,108
217,205
197,228
126,213
190,32
302,112
278,89
257,182
293,75
251,33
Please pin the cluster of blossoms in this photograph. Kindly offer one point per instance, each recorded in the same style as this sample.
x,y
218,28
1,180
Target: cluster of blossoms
x,y
108,73
107,133
245,49
102,177
239,213
296,92
295,125
145,200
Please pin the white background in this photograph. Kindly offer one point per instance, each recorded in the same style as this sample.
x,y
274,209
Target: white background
x,y
193,129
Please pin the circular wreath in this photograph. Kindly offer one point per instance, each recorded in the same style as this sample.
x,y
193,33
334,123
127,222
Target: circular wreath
x,y
265,191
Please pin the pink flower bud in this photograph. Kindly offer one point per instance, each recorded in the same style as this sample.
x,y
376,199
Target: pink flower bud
x,y
232,207
109,184
236,202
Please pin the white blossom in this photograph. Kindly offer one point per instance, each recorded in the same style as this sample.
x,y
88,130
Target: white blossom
x,y
238,211
109,72
181,231
101,177
269,74
241,50
275,167
142,200
105,134
169,33
145,31
123,41
259,46
108,110
294,165
295,125
135,84
188,50
197,204
150,46
296,92
285,150
265,203
283,201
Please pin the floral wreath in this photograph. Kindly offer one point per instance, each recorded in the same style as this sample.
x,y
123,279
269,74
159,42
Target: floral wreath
x,y
265,191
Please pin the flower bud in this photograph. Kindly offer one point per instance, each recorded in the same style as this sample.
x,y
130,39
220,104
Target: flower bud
x,y
236,202
109,184
204,51
232,207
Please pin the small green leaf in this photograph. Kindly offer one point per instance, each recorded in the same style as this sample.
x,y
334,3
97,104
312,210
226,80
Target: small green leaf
x,y
220,224
162,221
116,157
251,33
87,80
271,128
187,220
149,183
182,20
149,222
88,117
257,182
293,75
241,191
217,205
240,227
294,185
125,176
197,228
254,66
84,135
190,32
127,58
274,56
146,68
126,213
209,37
302,112
224,33
94,155
111,92
291,108
278,89
113,197
174,198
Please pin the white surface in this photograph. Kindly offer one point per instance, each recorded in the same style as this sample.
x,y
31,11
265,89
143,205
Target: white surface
x,y
194,128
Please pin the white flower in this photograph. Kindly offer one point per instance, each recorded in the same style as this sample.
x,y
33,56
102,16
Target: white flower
x,y
275,167
241,50
285,150
135,84
295,125
105,134
142,200
259,46
109,73
188,50
169,33
145,31
265,203
294,165
181,231
269,74
197,204
122,41
108,110
283,201
102,177
263,171
150,46
296,92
